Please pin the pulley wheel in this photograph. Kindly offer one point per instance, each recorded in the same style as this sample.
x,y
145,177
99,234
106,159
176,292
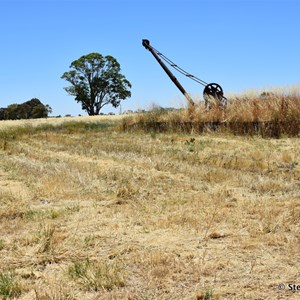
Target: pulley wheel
x,y
213,92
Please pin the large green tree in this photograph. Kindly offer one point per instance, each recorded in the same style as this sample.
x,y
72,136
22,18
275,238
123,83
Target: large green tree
x,y
96,81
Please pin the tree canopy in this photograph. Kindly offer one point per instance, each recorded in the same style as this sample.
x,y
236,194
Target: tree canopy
x,y
96,81
31,109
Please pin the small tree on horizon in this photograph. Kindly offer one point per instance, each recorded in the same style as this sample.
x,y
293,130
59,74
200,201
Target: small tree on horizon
x,y
96,81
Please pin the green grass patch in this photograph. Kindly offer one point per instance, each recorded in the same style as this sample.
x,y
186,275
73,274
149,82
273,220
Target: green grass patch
x,y
97,275
10,286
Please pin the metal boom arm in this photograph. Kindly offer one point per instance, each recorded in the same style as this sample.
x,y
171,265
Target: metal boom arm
x,y
146,44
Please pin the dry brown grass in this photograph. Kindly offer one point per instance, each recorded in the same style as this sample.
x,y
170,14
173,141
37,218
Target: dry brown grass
x,y
57,121
103,214
271,114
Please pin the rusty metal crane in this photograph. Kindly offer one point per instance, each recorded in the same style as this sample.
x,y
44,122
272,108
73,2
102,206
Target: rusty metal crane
x,y
212,91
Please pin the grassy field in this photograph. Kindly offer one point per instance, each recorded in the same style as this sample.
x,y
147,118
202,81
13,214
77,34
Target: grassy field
x,y
271,115
90,212
7,124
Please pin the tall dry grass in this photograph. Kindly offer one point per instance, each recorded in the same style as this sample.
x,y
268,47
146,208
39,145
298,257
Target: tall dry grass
x,y
270,114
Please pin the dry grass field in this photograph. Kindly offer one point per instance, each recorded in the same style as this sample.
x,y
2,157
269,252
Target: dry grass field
x,y
90,212
56,121
268,114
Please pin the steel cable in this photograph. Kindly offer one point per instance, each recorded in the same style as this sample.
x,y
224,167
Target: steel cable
x,y
180,70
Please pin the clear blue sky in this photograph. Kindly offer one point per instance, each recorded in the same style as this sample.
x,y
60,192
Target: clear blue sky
x,y
242,45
